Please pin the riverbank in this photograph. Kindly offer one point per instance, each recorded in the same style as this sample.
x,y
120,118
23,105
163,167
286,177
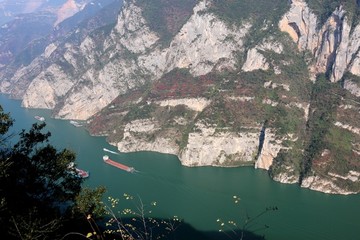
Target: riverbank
x,y
200,196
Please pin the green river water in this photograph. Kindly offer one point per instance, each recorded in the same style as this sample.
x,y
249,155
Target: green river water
x,y
202,195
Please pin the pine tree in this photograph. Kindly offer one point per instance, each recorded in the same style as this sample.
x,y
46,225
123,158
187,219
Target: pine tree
x,y
38,189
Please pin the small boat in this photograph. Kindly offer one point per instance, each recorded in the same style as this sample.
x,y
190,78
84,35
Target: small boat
x,y
81,173
78,172
76,124
39,118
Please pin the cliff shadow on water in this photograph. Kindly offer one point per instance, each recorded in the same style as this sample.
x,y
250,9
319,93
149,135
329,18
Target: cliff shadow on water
x,y
159,228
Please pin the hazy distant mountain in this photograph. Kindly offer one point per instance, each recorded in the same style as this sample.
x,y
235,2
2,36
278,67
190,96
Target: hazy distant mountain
x,y
9,9
30,31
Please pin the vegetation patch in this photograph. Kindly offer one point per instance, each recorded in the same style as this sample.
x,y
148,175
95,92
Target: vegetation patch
x,y
324,102
238,11
110,119
324,8
287,161
349,116
139,112
166,17
263,16
179,83
285,120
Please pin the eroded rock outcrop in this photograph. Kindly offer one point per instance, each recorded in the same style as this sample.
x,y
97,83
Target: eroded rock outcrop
x,y
352,87
140,135
255,60
207,147
334,45
325,185
269,150
203,41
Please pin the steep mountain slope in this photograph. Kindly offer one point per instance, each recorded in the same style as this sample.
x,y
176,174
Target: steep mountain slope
x,y
35,56
19,32
33,21
222,83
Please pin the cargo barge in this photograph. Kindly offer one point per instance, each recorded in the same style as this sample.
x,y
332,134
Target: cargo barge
x,y
118,165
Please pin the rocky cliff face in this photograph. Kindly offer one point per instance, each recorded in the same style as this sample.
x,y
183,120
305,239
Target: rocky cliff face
x,y
334,46
199,44
215,91
59,67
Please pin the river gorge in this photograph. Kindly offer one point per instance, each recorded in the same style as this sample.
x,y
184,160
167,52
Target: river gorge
x,y
202,195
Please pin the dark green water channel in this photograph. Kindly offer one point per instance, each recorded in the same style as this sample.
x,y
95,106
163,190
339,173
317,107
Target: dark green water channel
x,y
202,195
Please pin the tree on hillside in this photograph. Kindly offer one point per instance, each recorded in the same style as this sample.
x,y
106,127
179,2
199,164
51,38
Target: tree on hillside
x,y
38,189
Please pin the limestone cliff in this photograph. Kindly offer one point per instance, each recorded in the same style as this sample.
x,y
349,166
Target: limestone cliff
x,y
122,74
334,46
207,147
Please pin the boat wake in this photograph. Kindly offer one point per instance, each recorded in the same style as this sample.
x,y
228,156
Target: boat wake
x,y
107,150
